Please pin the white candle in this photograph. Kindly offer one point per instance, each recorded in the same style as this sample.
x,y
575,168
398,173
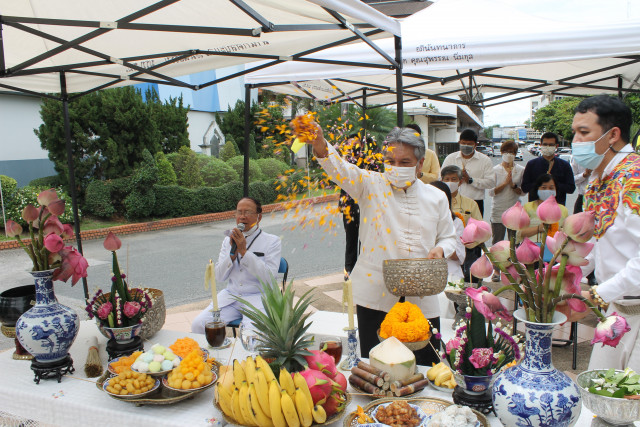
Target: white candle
x,y
210,282
348,288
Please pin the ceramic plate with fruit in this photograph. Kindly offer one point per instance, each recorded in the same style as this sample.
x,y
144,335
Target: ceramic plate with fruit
x,y
441,378
131,385
192,374
156,362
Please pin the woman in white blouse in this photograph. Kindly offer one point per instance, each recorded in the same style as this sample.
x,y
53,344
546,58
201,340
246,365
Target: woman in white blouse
x,y
506,192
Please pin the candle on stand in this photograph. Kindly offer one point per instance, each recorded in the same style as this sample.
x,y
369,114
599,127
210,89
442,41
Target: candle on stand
x,y
348,289
210,281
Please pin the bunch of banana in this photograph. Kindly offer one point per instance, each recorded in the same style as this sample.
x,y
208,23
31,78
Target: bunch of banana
x,y
256,397
441,376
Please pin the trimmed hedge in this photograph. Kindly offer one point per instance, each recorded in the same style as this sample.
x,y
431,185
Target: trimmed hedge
x,y
237,163
175,201
264,192
28,194
46,182
271,168
97,200
216,173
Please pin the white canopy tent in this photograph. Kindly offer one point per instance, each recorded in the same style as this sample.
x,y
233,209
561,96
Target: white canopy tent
x,y
456,49
64,49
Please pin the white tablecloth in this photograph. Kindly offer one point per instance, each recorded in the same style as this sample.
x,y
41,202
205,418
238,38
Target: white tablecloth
x,y
76,401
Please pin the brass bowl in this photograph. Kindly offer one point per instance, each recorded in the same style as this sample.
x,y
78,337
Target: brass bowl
x,y
415,277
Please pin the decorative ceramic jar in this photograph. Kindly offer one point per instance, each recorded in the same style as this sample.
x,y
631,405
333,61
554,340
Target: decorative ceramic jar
x,y
124,335
474,385
534,393
48,329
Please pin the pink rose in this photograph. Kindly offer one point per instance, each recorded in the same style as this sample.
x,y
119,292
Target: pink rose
x,y
549,211
111,242
74,266
56,207
452,344
611,330
528,252
475,233
481,268
481,357
515,218
30,213
580,226
104,310
47,196
131,308
487,304
501,251
53,242
13,229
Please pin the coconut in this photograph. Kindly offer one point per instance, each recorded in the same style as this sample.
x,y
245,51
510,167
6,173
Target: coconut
x,y
393,357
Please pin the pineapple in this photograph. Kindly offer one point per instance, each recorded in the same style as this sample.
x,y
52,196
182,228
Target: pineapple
x,y
282,329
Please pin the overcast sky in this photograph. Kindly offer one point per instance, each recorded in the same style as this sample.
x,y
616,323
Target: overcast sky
x,y
509,114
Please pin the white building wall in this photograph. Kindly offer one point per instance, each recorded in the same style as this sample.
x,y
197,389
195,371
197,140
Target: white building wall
x,y
19,116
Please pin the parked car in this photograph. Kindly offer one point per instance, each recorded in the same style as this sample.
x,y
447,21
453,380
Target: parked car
x,y
564,150
519,155
484,150
496,149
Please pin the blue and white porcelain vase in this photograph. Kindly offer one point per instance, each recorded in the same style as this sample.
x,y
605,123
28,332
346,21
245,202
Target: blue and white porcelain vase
x,y
534,393
49,328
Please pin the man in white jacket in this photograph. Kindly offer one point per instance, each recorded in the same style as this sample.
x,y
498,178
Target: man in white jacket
x,y
255,259
400,217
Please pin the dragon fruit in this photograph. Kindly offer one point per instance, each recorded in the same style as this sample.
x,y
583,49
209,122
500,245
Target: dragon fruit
x,y
335,403
321,361
319,384
341,380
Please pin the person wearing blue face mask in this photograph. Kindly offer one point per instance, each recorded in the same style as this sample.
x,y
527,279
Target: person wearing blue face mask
x,y
601,142
544,187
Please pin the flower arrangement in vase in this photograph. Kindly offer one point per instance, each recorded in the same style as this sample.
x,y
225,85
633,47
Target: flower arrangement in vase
x,y
49,328
120,312
534,392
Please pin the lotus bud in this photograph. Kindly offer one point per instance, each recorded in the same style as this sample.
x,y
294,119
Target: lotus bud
x,y
528,252
481,268
30,213
555,243
580,226
501,251
112,242
53,225
56,207
67,231
47,196
475,233
549,211
13,229
515,218
610,330
53,242
577,252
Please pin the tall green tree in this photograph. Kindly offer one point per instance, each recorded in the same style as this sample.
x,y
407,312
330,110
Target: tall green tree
x,y
171,119
556,117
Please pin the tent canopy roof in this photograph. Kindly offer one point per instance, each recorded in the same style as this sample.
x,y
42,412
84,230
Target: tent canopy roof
x,y
459,48
113,43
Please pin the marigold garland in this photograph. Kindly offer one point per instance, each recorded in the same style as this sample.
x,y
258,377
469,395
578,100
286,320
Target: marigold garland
x,y
406,322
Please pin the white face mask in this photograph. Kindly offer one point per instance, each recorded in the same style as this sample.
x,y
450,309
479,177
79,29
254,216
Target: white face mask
x,y
508,157
547,151
400,177
545,194
453,186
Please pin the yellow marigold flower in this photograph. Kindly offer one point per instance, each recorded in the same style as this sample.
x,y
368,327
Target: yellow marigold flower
x,y
406,322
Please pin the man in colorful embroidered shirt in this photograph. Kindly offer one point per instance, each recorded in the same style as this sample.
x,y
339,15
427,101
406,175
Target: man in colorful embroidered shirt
x,y
602,126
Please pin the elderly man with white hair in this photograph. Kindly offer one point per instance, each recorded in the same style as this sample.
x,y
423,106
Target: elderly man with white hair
x,y
400,217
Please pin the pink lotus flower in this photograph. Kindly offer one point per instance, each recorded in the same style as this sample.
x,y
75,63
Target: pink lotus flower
x,y
53,242
475,233
131,308
112,242
570,285
67,231
515,218
30,213
56,207
74,266
12,228
104,310
53,225
481,357
528,252
513,272
576,251
580,226
501,251
47,196
611,330
452,344
481,268
549,211
487,304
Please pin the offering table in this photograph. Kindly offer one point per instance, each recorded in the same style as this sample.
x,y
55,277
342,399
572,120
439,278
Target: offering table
x,y
76,401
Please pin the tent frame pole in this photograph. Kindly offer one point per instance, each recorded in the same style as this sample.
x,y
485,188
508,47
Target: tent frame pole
x,y
364,118
399,90
72,178
247,132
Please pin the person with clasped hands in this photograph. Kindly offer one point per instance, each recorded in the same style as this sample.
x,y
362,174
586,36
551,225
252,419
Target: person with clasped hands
x,y
602,127
254,259
401,217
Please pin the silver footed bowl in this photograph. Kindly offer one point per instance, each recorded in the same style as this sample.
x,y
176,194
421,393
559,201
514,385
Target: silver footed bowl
x,y
415,277
613,410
